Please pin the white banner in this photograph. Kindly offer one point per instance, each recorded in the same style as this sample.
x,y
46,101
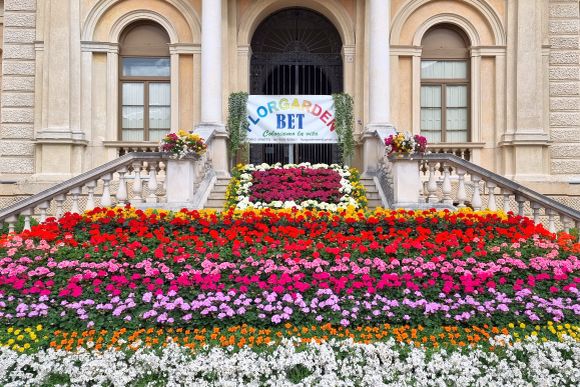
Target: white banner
x,y
291,119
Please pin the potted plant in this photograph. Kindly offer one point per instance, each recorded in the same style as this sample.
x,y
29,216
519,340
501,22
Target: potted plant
x,y
183,144
404,143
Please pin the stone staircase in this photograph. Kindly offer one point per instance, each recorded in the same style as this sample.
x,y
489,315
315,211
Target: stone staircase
x,y
373,196
216,199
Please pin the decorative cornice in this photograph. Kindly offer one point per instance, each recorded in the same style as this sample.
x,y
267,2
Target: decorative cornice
x,y
185,48
106,47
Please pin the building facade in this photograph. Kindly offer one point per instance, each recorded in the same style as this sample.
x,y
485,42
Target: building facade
x,y
495,81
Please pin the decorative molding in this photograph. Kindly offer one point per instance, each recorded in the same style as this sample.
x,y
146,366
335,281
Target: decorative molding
x,y
121,23
260,10
406,51
349,53
104,47
482,6
184,48
449,18
488,50
101,8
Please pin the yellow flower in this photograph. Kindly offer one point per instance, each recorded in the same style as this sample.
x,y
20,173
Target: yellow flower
x,y
39,327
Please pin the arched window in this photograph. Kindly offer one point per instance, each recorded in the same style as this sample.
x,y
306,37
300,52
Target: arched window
x,y
144,73
445,85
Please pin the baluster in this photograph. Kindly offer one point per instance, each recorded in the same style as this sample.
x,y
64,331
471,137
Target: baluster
x,y
421,193
137,184
491,204
432,184
152,183
91,197
106,200
59,199
43,208
476,199
26,213
506,200
122,190
551,223
521,200
461,192
446,188
163,176
75,192
11,220
536,211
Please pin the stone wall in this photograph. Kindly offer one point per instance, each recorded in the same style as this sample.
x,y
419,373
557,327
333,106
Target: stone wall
x,y
17,98
564,73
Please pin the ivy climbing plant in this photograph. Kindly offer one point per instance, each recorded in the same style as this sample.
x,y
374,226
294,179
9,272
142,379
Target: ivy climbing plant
x,y
344,124
237,121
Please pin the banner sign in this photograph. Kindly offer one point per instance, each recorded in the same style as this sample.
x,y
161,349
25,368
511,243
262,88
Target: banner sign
x,y
291,119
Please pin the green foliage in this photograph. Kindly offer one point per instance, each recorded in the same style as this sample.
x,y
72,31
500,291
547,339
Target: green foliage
x,y
18,227
237,123
344,124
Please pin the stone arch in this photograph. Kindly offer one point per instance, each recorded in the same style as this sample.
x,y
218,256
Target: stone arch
x,y
464,24
170,14
485,12
259,11
120,24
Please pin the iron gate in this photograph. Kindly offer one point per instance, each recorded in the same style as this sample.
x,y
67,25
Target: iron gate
x,y
296,51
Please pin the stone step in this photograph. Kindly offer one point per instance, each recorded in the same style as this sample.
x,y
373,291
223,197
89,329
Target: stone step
x,y
217,196
215,203
222,182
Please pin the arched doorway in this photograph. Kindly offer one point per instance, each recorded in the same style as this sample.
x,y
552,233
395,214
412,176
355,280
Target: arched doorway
x,y
296,51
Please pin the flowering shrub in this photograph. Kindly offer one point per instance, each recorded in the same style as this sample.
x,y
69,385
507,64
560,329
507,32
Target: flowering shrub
x,y
406,143
130,267
278,296
321,186
182,144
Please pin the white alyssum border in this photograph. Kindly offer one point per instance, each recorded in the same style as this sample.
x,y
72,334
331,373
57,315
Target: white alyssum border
x,y
243,191
334,363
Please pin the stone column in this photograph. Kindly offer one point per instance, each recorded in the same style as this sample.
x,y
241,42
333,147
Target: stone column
x,y
60,138
378,13
526,150
211,84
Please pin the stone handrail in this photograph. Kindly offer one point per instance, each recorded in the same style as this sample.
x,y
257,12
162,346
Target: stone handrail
x,y
438,190
146,170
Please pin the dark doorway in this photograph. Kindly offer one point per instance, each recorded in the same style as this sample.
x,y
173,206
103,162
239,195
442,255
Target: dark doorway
x,y
296,51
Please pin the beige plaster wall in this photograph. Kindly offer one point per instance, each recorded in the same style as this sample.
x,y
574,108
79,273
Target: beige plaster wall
x,y
503,78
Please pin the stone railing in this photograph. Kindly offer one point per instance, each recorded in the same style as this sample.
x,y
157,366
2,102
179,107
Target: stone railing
x,y
455,183
142,179
461,150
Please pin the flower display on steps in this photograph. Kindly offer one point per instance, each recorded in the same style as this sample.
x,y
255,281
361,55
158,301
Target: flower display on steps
x,y
182,144
405,143
289,297
319,186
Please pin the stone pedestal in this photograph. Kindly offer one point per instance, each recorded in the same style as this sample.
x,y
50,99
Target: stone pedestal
x,y
180,182
406,182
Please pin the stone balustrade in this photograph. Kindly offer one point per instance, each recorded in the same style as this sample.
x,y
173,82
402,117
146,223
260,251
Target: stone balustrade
x,y
137,178
452,182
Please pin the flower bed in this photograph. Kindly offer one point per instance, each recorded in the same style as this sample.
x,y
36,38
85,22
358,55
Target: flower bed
x,y
287,286
317,186
527,363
